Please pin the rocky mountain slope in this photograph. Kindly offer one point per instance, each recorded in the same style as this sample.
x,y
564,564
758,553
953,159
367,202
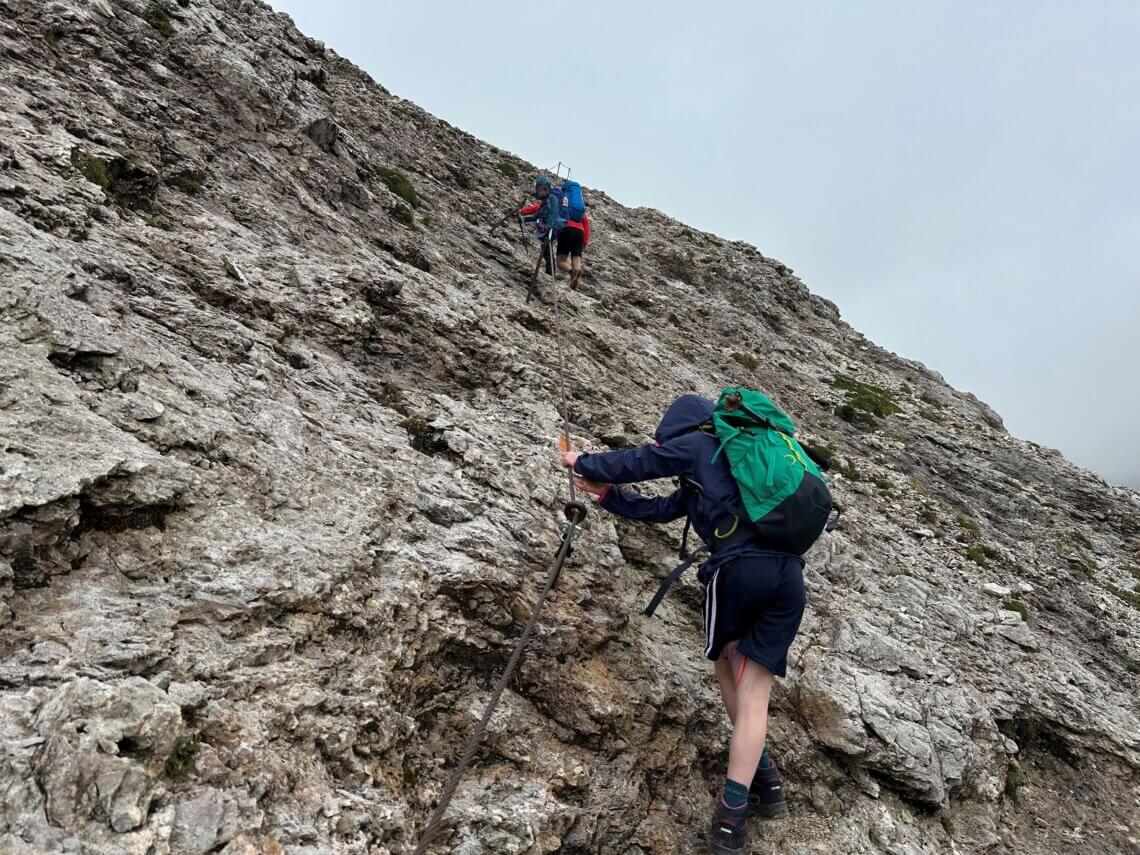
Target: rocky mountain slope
x,y
277,489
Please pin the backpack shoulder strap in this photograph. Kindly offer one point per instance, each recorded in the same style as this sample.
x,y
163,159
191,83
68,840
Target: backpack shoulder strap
x,y
689,558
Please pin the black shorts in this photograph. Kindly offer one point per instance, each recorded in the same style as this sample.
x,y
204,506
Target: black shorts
x,y
570,242
756,600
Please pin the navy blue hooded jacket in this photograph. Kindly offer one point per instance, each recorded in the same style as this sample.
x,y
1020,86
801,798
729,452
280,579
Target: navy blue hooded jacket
x,y
708,494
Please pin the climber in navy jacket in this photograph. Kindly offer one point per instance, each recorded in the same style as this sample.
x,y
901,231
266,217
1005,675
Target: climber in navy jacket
x,y
754,596
707,494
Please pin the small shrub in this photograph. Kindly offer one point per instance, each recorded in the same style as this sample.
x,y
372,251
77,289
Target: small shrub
x,y
188,181
822,452
883,484
928,516
848,470
391,396
158,16
508,169
403,214
930,415
1132,667
968,526
126,184
1082,540
462,180
1014,780
747,360
927,398
1132,598
180,763
1016,606
855,416
982,555
92,167
399,184
866,397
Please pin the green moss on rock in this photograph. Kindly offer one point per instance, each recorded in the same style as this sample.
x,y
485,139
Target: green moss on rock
x,y
401,185
158,16
403,214
1016,606
865,397
91,166
180,763
1132,598
747,360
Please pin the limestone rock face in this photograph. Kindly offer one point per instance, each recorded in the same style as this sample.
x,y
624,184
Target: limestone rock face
x,y
277,490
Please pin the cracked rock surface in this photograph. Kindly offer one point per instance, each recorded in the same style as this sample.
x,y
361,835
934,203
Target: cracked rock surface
x,y
277,489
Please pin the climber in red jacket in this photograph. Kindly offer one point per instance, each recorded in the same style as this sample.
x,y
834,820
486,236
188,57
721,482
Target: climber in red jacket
x,y
555,219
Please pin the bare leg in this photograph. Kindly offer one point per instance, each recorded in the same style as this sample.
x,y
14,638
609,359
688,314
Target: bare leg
x,y
576,264
564,263
725,678
751,725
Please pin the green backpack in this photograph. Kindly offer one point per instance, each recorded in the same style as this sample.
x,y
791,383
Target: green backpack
x,y
783,489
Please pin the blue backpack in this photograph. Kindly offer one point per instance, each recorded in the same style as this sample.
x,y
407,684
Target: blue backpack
x,y
573,205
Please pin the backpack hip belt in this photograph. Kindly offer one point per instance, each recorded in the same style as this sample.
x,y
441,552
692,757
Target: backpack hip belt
x,y
739,531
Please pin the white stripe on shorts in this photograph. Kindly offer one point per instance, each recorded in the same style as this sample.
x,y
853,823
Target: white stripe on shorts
x,y
710,612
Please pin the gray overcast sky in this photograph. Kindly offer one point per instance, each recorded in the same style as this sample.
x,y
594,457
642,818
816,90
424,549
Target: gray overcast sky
x,y
961,178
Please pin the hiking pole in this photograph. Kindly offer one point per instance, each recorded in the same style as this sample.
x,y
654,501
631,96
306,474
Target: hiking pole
x,y
522,228
513,212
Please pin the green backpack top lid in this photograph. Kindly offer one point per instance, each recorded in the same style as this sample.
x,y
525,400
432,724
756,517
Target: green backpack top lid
x,y
758,439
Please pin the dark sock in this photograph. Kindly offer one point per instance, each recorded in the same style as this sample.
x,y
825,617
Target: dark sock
x,y
733,803
766,773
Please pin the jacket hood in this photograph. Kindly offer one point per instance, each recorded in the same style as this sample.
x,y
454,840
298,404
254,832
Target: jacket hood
x,y
685,414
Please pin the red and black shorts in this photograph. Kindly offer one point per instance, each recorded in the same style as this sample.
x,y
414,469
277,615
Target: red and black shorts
x,y
570,241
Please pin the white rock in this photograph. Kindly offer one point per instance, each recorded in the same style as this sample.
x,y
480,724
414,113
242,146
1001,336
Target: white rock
x,y
144,409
